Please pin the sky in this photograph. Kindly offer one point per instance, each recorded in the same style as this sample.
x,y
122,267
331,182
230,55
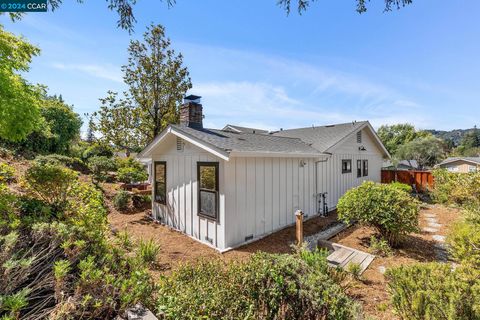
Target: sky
x,y
256,66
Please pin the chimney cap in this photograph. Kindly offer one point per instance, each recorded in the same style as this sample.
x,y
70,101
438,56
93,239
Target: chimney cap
x,y
192,98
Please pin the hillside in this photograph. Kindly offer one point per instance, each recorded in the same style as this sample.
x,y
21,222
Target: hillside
x,y
455,135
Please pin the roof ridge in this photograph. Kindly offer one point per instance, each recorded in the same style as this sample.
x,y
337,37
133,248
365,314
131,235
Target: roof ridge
x,y
324,126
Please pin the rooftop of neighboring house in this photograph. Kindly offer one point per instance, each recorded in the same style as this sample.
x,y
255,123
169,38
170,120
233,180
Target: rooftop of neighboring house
x,y
472,160
413,164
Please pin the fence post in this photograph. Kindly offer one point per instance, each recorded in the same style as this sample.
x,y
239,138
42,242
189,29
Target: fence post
x,y
299,226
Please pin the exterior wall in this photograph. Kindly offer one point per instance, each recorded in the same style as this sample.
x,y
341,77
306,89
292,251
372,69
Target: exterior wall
x,y
459,166
182,192
330,176
262,195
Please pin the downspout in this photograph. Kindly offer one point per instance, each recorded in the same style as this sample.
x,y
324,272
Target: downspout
x,y
317,194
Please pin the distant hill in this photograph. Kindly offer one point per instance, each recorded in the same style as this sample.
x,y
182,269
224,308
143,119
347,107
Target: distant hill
x,y
454,135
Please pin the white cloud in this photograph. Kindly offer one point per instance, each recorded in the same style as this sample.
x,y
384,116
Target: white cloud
x,y
107,72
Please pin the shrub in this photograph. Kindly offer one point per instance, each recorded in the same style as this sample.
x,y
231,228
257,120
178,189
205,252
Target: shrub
x,y
7,173
464,243
454,188
355,270
131,175
435,291
58,159
392,212
139,200
100,166
97,150
50,183
267,286
125,240
148,251
402,186
380,247
121,200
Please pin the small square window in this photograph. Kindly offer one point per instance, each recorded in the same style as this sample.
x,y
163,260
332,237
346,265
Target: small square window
x,y
346,166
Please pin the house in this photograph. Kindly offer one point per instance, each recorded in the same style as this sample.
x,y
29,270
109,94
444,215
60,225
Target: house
x,y
401,165
235,185
460,164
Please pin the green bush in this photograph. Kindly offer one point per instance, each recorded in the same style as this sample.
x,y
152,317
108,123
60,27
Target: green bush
x,y
402,186
121,200
380,247
148,251
100,166
7,173
50,183
464,243
97,150
131,170
456,188
139,200
267,286
435,291
392,212
58,159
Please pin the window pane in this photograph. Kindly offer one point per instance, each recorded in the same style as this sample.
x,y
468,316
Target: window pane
x,y
346,166
359,168
207,178
365,168
208,203
160,192
160,172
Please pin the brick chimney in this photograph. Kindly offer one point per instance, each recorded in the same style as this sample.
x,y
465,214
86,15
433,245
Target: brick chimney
x,y
191,114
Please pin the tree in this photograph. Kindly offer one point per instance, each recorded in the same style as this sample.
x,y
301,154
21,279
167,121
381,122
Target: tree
x,y
157,82
302,5
426,151
393,136
471,139
127,20
19,100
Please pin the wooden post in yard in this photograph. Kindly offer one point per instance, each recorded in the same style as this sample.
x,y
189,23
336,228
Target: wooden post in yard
x,y
299,226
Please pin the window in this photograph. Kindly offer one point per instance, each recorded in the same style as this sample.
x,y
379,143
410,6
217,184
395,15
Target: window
x,y
346,166
160,181
359,137
365,168
359,168
472,168
208,189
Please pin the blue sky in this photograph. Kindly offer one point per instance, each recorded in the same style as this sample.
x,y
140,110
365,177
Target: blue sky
x,y
255,66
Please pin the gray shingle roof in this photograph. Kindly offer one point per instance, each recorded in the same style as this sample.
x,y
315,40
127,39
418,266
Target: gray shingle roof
x,y
453,159
248,142
324,137
244,129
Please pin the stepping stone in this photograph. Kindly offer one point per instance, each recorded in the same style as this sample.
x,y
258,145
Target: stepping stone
x,y
430,230
432,220
434,225
382,269
438,238
430,215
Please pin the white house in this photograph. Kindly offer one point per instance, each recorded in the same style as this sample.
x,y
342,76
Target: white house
x,y
235,185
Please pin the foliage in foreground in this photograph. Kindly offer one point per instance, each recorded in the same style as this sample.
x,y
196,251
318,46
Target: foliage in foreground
x,y
7,173
392,212
267,286
457,189
434,291
56,261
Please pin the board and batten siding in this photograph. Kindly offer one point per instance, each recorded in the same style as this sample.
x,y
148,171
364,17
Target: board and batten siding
x,y
263,193
182,193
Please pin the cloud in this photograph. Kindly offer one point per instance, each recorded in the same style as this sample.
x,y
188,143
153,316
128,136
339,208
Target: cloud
x,y
107,72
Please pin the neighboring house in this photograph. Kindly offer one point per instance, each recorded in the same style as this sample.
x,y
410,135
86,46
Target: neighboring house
x,y
460,164
231,186
401,165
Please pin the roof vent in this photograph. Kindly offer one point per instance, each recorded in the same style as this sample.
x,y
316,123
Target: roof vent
x,y
359,137
179,144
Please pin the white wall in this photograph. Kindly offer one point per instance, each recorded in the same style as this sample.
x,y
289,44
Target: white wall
x,y
181,209
262,194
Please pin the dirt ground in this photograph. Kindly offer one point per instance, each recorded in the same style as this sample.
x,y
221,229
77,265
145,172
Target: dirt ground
x,y
372,291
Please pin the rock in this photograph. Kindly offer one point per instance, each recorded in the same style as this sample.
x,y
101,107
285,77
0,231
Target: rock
x,y
430,230
438,238
382,269
139,312
434,225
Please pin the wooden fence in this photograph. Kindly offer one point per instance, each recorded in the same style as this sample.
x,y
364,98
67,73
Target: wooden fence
x,y
423,180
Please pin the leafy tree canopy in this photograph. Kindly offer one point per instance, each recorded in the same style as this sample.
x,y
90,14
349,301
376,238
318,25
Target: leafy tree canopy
x,y
127,20
19,100
157,82
427,151
393,136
